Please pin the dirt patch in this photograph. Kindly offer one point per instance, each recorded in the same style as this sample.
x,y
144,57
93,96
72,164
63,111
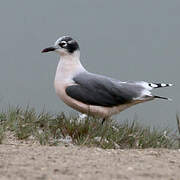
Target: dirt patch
x,y
32,161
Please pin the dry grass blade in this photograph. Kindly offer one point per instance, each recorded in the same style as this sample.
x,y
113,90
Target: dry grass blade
x,y
178,125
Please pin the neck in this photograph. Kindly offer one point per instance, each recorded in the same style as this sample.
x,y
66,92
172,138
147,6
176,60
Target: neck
x,y
74,55
68,66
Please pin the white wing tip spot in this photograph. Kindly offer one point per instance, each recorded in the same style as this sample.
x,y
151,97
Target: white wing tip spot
x,y
153,85
163,85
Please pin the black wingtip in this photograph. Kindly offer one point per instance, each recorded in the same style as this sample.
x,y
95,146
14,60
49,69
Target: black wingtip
x,y
160,97
159,85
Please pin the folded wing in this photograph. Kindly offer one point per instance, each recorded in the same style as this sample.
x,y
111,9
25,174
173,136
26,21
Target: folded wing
x,y
99,90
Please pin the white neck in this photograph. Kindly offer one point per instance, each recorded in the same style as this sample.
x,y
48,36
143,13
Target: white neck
x,y
68,66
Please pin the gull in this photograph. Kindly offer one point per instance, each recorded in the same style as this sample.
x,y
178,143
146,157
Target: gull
x,y
94,94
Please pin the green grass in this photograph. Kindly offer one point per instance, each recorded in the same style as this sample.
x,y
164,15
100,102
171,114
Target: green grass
x,y
49,129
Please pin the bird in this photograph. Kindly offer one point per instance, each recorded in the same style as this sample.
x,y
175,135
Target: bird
x,y
95,94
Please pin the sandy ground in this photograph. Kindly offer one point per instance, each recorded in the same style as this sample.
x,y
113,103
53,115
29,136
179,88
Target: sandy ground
x,y
35,162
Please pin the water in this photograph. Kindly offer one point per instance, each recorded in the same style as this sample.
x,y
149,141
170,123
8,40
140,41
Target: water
x,y
127,40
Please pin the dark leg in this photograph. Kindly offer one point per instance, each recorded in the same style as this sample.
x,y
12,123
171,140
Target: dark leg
x,y
103,120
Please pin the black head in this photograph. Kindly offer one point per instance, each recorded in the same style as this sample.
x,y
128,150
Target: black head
x,y
67,43
63,45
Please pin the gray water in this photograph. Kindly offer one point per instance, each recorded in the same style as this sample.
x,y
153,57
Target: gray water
x,y
127,40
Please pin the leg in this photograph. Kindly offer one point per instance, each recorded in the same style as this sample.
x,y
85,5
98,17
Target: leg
x,y
103,121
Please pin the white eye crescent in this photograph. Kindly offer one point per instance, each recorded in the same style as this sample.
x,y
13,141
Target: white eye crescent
x,y
63,44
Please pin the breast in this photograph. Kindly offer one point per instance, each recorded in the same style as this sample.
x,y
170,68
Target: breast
x,y
61,93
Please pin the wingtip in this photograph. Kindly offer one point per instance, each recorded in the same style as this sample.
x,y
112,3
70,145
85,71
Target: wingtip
x,y
160,85
160,97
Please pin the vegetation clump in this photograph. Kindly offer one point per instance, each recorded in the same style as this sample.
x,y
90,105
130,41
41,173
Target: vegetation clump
x,y
49,129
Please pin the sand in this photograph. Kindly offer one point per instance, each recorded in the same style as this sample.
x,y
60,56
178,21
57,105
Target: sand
x,y
34,162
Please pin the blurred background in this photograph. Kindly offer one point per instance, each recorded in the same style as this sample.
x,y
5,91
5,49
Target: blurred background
x,y
126,40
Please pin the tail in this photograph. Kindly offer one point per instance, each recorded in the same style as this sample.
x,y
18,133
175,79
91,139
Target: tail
x,y
160,97
150,86
159,85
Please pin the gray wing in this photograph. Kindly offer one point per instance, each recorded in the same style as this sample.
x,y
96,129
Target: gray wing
x,y
102,91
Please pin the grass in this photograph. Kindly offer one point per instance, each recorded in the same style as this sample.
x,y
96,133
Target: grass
x,y
49,129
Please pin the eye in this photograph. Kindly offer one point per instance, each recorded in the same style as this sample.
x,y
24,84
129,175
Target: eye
x,y
63,44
